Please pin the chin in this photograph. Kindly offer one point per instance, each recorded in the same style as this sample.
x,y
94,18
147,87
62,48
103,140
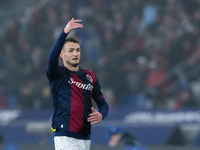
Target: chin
x,y
75,65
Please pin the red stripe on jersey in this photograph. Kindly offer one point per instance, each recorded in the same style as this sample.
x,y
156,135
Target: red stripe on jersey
x,y
100,97
77,106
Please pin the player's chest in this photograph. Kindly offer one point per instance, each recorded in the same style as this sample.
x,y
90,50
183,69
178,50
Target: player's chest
x,y
83,81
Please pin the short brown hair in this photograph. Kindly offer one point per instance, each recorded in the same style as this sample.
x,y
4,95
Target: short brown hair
x,y
73,40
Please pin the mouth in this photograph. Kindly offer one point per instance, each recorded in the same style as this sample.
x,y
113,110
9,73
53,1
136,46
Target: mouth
x,y
75,59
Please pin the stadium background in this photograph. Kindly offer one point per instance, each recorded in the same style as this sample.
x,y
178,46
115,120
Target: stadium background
x,y
146,54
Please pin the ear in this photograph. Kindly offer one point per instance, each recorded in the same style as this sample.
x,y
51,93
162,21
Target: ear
x,y
61,54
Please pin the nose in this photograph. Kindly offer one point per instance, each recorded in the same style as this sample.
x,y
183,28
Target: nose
x,y
76,53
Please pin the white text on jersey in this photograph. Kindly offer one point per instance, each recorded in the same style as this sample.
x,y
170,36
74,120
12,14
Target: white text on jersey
x,y
81,85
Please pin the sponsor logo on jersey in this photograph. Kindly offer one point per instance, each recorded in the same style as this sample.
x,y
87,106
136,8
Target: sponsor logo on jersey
x,y
81,85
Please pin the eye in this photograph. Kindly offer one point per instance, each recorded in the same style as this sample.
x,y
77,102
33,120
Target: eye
x,y
70,50
78,50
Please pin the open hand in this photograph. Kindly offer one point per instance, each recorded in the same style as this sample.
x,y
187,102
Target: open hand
x,y
72,24
94,117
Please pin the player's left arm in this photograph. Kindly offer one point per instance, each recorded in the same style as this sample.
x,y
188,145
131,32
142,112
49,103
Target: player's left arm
x,y
53,63
103,108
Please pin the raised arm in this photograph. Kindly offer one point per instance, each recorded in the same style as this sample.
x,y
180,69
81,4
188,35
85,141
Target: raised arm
x,y
57,46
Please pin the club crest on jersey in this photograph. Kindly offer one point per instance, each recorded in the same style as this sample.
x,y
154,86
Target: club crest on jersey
x,y
81,85
89,78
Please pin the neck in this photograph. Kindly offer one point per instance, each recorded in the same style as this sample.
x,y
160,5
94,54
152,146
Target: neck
x,y
72,68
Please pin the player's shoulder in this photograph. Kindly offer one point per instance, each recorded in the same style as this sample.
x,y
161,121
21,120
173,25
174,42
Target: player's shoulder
x,y
89,74
87,71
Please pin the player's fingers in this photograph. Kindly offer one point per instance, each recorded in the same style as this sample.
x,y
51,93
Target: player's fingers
x,y
92,118
75,25
93,110
94,114
75,20
94,122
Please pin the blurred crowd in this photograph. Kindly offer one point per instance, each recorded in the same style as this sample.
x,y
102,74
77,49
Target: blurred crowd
x,y
145,53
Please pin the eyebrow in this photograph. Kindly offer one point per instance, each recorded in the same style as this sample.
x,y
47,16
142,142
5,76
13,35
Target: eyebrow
x,y
74,48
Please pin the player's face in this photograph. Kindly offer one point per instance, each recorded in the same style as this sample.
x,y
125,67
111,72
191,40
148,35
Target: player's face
x,y
71,54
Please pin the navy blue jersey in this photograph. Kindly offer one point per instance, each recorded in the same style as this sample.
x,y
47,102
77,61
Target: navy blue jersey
x,y
72,93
